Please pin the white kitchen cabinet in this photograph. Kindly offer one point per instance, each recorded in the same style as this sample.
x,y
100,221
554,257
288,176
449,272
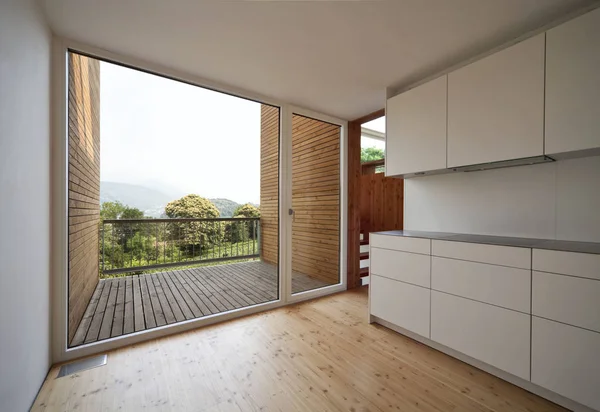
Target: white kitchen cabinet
x,y
402,243
496,106
573,85
402,304
585,265
496,336
497,285
518,257
567,299
416,129
406,267
564,359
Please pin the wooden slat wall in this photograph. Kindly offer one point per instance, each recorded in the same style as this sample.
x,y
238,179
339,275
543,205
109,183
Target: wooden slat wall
x,y
381,203
84,183
269,183
316,198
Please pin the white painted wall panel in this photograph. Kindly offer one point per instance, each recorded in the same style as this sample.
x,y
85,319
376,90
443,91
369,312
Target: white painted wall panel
x,y
25,44
558,200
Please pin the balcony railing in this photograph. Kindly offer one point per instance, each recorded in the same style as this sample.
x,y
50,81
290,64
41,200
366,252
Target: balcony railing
x,y
132,245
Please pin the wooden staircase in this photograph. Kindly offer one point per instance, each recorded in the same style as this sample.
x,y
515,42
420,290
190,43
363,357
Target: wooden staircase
x,y
364,259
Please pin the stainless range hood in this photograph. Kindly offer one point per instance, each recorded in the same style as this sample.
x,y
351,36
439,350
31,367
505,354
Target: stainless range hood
x,y
505,163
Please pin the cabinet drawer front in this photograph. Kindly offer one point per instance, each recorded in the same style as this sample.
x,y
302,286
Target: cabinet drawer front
x,y
498,285
517,257
404,244
402,304
564,359
586,265
499,337
407,267
567,299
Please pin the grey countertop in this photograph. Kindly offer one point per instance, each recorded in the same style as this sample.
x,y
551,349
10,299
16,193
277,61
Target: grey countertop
x,y
561,245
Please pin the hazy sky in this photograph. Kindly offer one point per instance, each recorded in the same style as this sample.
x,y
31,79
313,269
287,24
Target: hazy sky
x,y
181,139
377,125
165,134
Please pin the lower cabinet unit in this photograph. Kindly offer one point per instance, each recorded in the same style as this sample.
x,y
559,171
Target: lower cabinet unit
x,y
400,303
566,359
528,315
497,336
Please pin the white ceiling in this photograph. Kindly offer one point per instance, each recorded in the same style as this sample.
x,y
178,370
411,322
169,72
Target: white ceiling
x,y
336,57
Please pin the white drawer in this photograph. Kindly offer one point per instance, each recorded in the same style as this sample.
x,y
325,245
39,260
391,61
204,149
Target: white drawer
x,y
496,336
586,265
402,304
517,257
405,244
567,299
407,267
498,285
565,360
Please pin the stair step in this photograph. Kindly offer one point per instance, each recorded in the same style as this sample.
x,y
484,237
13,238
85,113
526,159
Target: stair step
x,y
364,242
364,255
364,272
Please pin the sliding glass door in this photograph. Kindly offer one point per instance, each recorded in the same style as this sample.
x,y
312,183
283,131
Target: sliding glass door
x,y
315,204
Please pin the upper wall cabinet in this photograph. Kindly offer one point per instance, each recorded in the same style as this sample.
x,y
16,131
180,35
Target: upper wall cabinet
x,y
573,85
416,129
496,106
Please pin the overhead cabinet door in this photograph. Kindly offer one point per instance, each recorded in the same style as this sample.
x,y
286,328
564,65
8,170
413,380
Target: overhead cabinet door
x,y
573,85
496,106
416,130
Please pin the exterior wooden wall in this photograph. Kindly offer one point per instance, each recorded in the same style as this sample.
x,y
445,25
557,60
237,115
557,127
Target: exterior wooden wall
x,y
316,198
84,183
269,183
381,203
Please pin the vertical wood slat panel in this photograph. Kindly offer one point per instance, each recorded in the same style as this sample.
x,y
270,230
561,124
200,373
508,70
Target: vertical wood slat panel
x,y
269,183
315,159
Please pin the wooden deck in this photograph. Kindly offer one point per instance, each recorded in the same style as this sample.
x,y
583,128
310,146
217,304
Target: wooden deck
x,y
135,303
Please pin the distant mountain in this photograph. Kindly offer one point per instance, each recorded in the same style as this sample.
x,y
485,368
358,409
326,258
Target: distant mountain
x,y
226,207
151,202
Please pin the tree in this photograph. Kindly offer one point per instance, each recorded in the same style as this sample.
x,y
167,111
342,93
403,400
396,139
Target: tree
x,y
194,236
244,230
117,210
247,210
368,154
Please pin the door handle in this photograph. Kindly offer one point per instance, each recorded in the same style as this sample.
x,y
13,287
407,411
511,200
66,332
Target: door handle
x,y
292,213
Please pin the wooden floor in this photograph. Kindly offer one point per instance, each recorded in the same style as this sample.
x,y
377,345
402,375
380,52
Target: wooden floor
x,y
320,355
135,303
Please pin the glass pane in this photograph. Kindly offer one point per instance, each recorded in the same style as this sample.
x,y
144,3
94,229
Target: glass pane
x,y
316,204
173,201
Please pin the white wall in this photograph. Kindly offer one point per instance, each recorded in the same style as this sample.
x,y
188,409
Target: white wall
x,y
24,203
559,200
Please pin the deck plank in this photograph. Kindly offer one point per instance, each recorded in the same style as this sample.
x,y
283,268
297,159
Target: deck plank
x,y
164,303
156,305
171,298
107,320
138,307
196,287
86,321
147,303
128,310
192,300
185,309
117,325
94,330
216,293
139,302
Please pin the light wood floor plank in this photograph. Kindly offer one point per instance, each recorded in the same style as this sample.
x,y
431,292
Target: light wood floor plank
x,y
320,355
